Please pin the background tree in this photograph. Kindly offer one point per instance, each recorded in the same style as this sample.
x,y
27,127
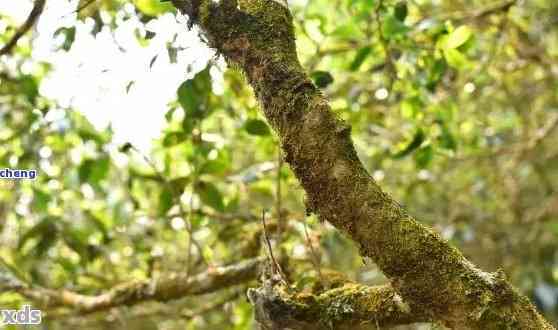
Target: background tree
x,y
452,109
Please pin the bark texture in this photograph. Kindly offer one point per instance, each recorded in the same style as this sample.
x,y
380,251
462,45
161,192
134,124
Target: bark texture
x,y
431,276
351,306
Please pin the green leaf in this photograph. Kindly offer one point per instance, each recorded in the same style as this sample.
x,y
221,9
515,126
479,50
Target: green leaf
x,y
365,5
84,170
400,11
125,147
458,37
170,113
393,28
193,95
447,140
423,156
233,205
218,165
416,142
456,59
436,72
30,88
93,170
411,107
360,57
188,125
256,127
348,31
99,225
45,228
165,201
322,79
179,184
45,243
173,138
68,265
40,200
210,195
153,7
76,242
69,37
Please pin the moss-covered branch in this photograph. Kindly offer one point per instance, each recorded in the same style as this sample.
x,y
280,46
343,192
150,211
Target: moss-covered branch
x,y
430,275
167,287
352,306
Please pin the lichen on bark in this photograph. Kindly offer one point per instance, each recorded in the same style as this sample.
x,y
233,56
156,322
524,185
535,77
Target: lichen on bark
x,y
350,306
431,276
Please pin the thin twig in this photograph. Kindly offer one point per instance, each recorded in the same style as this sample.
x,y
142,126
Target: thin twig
x,y
276,266
36,12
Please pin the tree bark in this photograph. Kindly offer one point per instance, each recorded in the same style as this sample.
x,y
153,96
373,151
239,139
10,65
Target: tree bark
x,y
351,306
431,276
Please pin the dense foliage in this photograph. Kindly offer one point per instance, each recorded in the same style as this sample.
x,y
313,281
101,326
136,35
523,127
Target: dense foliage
x,y
453,107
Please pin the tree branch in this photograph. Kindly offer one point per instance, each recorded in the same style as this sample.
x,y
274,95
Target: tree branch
x,y
36,12
168,287
431,276
352,306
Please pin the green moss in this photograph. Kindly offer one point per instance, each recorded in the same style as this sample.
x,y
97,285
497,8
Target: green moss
x,y
431,275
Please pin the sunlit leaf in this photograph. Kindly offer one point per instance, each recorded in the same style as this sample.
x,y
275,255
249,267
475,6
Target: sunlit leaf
x,y
411,107
173,138
456,59
347,31
458,37
153,7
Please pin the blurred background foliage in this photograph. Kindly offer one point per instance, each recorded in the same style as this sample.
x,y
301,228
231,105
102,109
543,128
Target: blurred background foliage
x,y
454,111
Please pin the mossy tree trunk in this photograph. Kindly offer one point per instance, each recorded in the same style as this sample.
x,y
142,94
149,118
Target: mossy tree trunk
x,y
431,276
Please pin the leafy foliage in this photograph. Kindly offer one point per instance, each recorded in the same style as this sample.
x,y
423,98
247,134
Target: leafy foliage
x,y
452,106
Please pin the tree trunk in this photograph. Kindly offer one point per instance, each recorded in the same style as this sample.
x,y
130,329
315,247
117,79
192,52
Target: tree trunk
x,y
431,276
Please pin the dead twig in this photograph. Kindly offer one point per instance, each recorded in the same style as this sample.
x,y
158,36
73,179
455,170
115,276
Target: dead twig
x,y
276,266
